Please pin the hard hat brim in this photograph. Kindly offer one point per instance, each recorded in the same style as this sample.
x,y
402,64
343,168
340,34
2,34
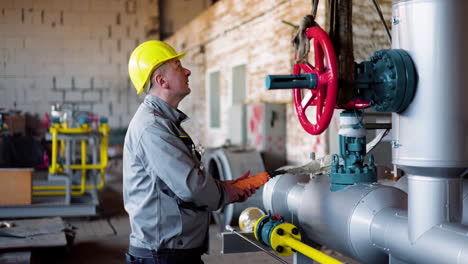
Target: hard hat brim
x,y
178,56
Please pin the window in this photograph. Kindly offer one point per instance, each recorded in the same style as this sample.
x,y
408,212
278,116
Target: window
x,y
214,100
238,84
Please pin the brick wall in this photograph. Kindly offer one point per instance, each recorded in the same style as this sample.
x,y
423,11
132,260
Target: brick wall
x,y
77,51
252,33
72,51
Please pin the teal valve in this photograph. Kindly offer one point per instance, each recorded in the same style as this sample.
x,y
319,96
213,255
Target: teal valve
x,y
308,80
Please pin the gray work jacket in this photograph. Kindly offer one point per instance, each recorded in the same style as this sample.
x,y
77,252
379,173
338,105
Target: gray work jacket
x,y
166,194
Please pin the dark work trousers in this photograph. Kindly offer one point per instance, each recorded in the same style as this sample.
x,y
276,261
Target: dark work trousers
x,y
167,257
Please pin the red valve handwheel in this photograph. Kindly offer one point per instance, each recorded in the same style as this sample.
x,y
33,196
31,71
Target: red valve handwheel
x,y
324,96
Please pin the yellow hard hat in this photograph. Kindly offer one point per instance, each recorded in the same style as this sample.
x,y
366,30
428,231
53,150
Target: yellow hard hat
x,y
146,58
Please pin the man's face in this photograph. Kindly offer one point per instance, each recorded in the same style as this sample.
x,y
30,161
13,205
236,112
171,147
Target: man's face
x,y
177,78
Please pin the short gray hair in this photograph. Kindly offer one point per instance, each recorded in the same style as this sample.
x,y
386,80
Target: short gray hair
x,y
150,84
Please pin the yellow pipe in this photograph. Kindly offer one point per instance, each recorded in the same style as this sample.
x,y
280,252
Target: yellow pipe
x,y
289,241
62,148
104,129
308,251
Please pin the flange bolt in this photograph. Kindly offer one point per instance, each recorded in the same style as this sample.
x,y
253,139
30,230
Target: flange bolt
x,y
279,249
295,231
280,231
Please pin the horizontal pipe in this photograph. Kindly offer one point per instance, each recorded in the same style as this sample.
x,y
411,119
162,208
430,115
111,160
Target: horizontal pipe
x,y
443,243
309,251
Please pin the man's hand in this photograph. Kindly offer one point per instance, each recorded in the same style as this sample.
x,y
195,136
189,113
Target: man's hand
x,y
238,194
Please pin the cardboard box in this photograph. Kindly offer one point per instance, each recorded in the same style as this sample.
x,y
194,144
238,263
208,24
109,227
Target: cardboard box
x,y
15,186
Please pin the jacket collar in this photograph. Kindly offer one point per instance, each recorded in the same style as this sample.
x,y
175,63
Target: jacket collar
x,y
159,105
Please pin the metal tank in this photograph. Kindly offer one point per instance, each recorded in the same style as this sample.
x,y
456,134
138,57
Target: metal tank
x,y
431,135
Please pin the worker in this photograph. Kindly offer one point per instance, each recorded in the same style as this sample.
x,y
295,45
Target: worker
x,y
167,195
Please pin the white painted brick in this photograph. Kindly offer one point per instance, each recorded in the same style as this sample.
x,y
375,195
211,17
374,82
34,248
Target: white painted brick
x,y
71,68
82,82
49,70
42,4
73,96
3,99
35,44
7,4
8,55
119,32
55,97
52,17
108,71
102,110
53,56
114,121
32,70
90,19
72,45
109,46
37,16
14,69
106,18
64,5
89,45
99,58
98,32
91,96
99,82
102,5
13,43
18,4
71,18
80,5
10,92
43,84
28,16
63,82
35,93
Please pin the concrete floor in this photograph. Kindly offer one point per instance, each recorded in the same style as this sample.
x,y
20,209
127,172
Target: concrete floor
x,y
104,238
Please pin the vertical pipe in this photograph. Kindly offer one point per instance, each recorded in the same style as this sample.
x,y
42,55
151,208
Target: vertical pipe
x,y
431,201
53,165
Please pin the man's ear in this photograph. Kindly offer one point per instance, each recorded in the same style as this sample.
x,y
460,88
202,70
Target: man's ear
x,y
161,80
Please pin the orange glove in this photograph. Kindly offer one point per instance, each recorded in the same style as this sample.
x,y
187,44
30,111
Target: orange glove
x,y
255,181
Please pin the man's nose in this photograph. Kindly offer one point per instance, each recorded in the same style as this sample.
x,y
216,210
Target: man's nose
x,y
187,72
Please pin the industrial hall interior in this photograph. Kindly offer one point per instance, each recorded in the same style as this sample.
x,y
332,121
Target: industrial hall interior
x,y
228,131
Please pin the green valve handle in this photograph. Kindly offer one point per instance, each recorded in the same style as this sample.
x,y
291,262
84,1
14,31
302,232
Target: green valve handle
x,y
308,80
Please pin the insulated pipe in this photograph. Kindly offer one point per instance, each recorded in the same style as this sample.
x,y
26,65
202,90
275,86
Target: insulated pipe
x,y
443,243
438,155
432,200
340,220
367,222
